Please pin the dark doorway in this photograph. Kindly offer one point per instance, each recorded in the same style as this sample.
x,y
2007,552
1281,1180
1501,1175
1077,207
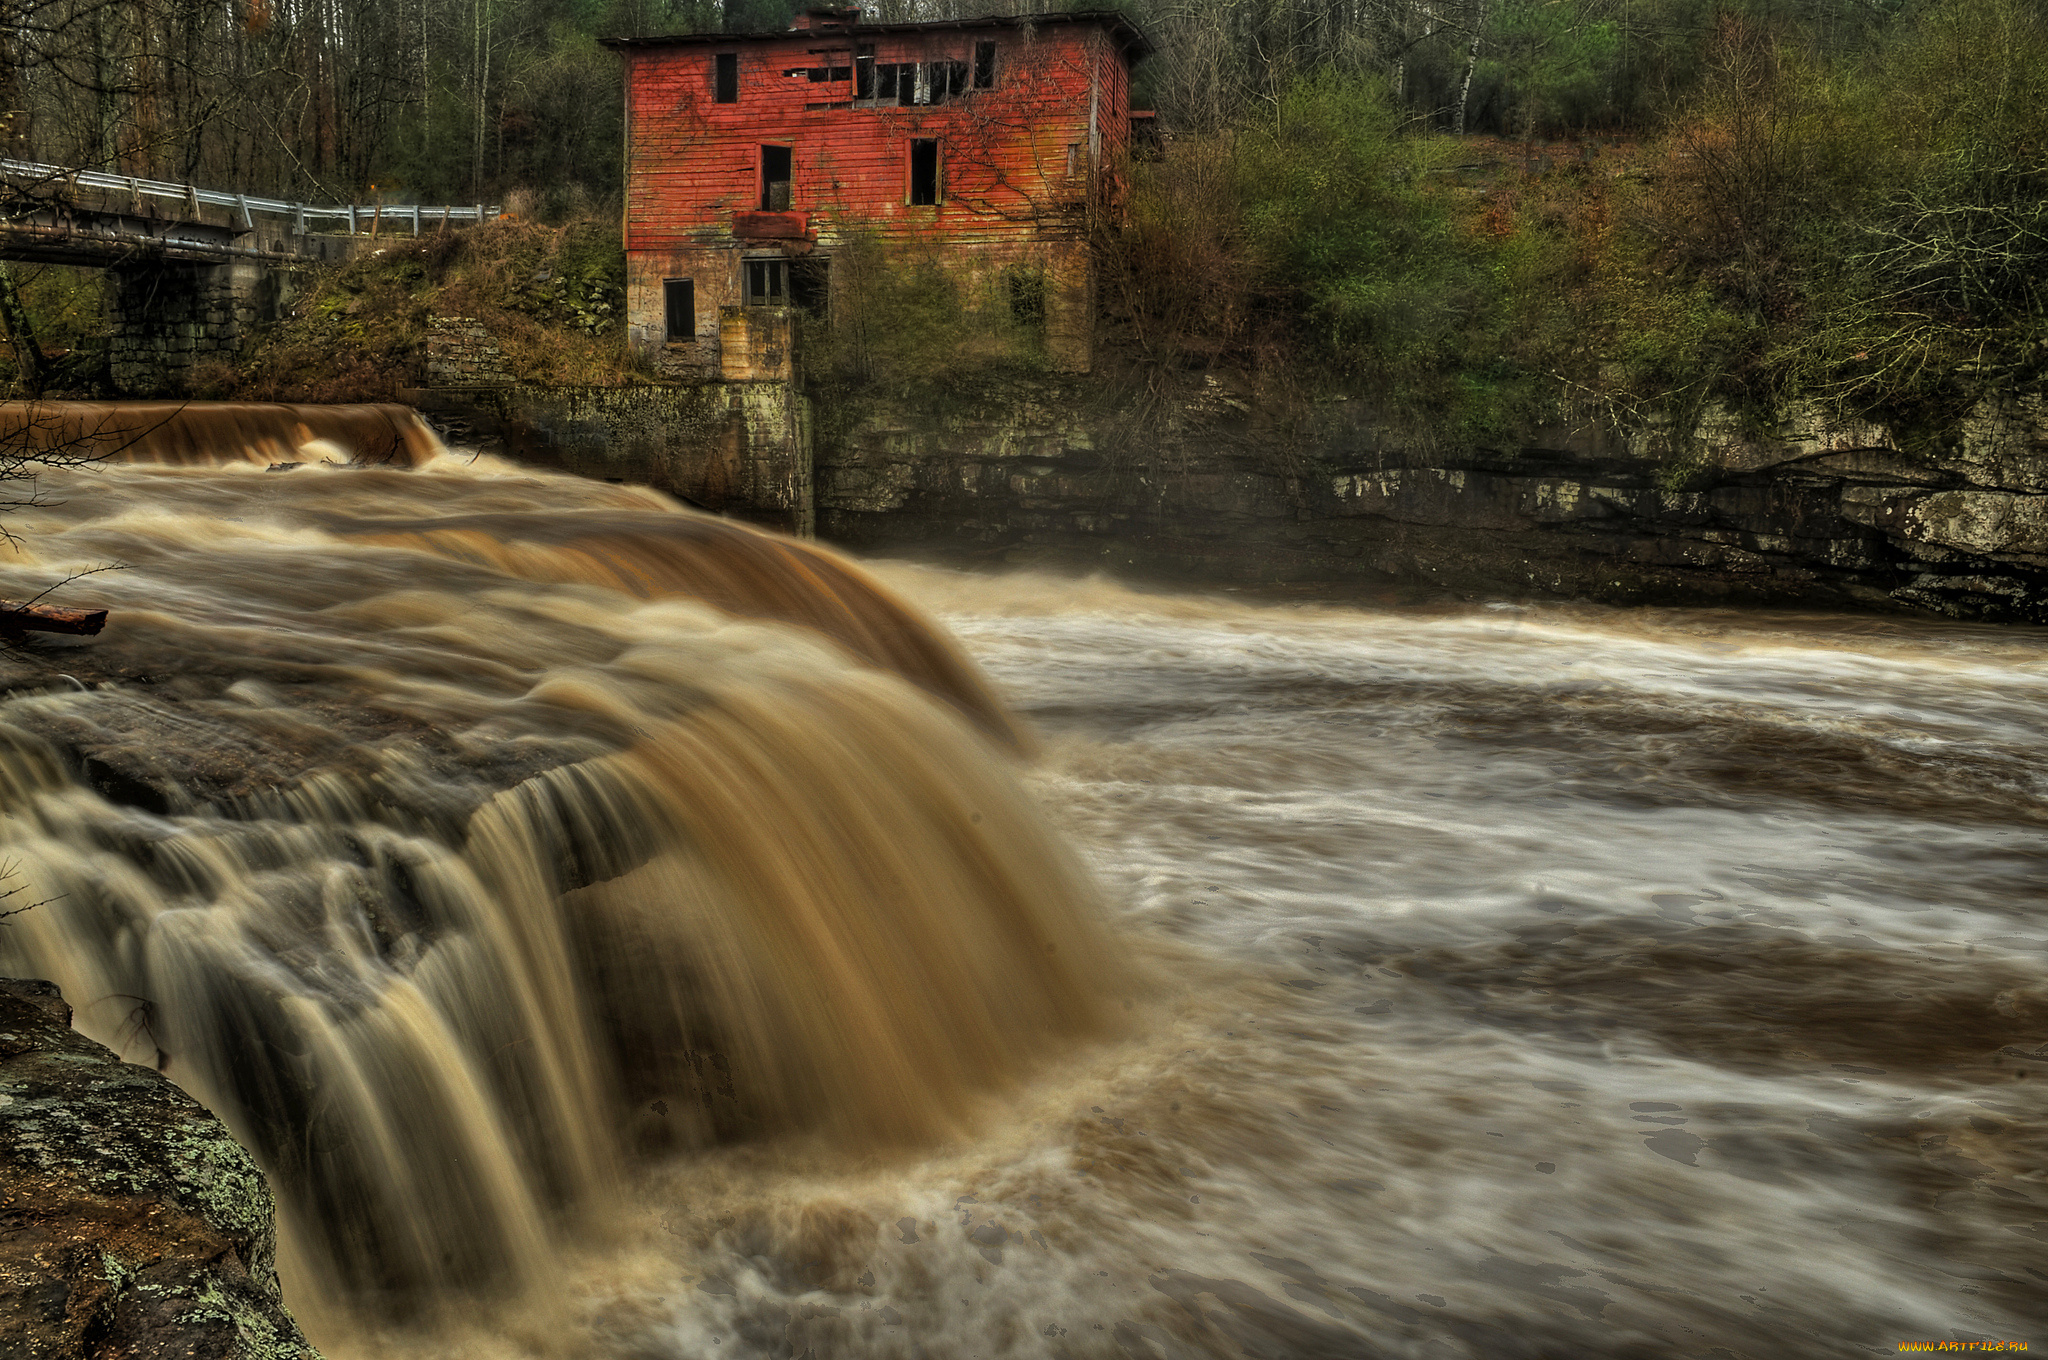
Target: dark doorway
x,y
924,171
679,297
774,179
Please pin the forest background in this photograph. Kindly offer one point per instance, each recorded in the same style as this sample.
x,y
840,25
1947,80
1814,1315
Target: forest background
x,y
1480,213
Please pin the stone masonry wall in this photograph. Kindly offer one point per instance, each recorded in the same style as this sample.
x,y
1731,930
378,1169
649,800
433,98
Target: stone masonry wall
x,y
738,448
162,319
461,352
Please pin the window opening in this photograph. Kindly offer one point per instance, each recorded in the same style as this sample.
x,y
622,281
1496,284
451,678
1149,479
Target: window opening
x,y
907,83
725,85
924,172
679,301
774,179
1027,296
946,80
767,283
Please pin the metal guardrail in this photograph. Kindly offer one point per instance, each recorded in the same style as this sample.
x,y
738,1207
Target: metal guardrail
x,y
356,215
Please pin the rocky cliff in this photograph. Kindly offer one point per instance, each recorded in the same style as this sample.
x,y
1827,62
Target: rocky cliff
x,y
1227,484
131,1223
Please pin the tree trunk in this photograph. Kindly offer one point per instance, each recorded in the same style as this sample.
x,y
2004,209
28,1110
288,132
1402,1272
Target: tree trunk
x,y
1471,62
28,355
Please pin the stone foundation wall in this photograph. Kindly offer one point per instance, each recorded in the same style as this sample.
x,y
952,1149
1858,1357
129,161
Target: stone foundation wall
x,y
162,319
738,448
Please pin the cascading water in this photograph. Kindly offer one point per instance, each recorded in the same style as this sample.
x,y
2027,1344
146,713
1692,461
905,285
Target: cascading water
x,y
1519,982
478,829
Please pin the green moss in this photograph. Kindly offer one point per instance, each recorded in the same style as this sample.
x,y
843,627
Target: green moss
x,y
223,1178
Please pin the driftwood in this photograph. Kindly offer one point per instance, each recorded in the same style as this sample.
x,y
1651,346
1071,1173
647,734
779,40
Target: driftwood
x,y
49,618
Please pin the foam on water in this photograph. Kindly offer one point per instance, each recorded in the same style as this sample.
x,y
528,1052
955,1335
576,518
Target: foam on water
x,y
1493,981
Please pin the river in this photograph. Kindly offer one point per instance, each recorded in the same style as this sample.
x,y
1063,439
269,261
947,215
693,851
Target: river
x,y
1486,980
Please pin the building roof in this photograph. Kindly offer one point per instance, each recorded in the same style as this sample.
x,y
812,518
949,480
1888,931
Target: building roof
x,y
1135,45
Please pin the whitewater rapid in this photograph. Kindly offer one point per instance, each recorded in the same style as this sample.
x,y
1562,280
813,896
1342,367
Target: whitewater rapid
x,y
1524,981
1468,980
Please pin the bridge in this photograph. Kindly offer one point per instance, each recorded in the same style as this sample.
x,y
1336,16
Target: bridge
x,y
192,269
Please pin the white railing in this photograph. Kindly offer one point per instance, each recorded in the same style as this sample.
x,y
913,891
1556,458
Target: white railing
x,y
358,217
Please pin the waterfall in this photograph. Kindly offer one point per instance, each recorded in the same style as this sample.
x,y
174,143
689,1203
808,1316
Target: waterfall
x,y
460,834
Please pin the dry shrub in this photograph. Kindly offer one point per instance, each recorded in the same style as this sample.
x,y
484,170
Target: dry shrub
x,y
1181,275
552,297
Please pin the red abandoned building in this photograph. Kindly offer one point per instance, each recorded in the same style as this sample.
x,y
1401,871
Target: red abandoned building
x,y
751,159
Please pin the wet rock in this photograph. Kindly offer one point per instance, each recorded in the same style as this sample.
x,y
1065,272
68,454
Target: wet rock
x,y
1817,509
131,1223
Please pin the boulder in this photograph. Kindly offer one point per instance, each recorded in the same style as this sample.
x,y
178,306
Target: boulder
x,y
132,1224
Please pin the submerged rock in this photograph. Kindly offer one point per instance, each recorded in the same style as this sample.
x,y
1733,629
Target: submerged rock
x,y
131,1222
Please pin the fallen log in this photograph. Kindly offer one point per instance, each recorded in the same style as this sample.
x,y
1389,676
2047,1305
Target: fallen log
x,y
49,618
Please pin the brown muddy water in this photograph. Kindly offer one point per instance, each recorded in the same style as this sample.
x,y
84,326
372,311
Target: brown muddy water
x,y
623,935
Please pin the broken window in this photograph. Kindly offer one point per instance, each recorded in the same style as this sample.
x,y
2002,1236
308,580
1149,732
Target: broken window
x,y
818,75
946,80
774,179
924,172
767,283
864,71
679,301
984,66
907,82
725,83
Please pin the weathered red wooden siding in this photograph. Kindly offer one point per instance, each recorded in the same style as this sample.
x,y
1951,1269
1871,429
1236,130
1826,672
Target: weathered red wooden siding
x,y
692,162
1024,166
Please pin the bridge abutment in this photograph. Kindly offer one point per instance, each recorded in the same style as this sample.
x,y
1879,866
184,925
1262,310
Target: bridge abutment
x,y
164,318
